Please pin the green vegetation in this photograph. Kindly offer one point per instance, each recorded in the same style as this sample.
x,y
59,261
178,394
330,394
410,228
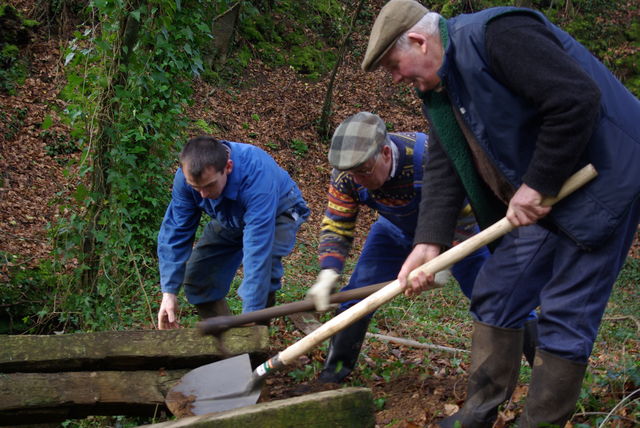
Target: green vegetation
x,y
23,294
16,32
200,126
13,121
299,147
129,71
127,87
292,33
13,70
272,145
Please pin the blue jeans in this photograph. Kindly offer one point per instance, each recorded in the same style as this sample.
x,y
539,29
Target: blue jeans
x,y
533,266
386,249
218,255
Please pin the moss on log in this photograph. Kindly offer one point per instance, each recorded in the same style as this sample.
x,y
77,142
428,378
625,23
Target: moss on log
x,y
346,407
127,350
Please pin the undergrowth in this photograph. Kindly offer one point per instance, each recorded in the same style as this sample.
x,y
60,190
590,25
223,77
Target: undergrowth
x,y
149,120
16,32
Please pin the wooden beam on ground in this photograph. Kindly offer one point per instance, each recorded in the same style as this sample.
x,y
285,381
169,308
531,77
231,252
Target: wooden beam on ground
x,y
124,350
346,407
50,397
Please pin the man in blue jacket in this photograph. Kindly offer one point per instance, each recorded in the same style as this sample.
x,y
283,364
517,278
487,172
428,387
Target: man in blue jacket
x,y
255,209
515,106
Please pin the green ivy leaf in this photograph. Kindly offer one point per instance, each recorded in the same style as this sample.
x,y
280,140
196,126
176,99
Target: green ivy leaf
x,y
81,193
47,122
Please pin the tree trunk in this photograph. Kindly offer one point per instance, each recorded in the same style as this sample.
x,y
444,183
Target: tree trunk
x,y
104,142
569,9
223,28
323,125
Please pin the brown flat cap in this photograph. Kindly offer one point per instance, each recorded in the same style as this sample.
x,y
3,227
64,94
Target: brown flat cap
x,y
394,19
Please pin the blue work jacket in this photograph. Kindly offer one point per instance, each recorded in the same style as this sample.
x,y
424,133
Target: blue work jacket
x,y
506,127
257,191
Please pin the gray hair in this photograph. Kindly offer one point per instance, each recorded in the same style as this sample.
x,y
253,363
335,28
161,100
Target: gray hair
x,y
429,25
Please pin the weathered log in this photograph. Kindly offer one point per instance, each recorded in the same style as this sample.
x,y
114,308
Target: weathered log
x,y
51,397
127,350
346,407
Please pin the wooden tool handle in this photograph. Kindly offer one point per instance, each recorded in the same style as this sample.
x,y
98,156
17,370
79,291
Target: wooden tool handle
x,y
437,264
500,228
217,325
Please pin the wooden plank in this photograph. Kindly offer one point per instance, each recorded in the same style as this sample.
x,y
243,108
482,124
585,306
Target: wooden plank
x,y
124,350
345,407
50,397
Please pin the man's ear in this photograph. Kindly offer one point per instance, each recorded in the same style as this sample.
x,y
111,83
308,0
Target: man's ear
x,y
386,152
419,39
228,167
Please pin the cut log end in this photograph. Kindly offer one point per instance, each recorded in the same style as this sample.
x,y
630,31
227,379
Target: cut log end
x,y
179,404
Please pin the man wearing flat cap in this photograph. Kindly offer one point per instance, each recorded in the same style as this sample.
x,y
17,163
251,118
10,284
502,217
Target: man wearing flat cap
x,y
383,171
515,106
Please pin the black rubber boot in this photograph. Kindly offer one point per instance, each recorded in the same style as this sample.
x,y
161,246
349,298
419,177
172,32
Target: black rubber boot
x,y
530,340
495,364
553,391
213,309
271,301
344,349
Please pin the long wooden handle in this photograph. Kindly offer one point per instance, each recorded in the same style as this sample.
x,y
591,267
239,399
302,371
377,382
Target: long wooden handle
x,y
436,264
217,325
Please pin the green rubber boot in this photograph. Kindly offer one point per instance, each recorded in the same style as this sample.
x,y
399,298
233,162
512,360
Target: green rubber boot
x,y
553,391
495,364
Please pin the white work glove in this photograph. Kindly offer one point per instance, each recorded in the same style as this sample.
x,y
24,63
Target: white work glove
x,y
441,278
322,289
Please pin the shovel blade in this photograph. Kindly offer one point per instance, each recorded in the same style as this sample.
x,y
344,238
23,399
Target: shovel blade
x,y
215,387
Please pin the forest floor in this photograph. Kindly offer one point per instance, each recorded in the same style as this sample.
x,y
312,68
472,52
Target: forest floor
x,y
287,107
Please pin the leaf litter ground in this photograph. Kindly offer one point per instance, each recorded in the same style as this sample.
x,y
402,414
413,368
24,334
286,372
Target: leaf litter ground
x,y
269,108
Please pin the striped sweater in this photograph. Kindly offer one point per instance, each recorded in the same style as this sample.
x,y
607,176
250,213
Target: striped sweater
x,y
397,200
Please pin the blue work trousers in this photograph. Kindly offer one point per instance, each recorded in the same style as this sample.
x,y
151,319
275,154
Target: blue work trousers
x,y
386,249
218,255
533,266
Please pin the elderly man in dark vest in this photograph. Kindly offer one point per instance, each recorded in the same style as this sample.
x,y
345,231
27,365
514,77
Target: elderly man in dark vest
x,y
515,106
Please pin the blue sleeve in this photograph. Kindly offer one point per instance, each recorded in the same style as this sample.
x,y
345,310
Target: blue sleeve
x,y
177,232
260,195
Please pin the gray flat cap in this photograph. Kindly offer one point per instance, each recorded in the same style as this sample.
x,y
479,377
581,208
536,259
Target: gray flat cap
x,y
356,140
394,19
